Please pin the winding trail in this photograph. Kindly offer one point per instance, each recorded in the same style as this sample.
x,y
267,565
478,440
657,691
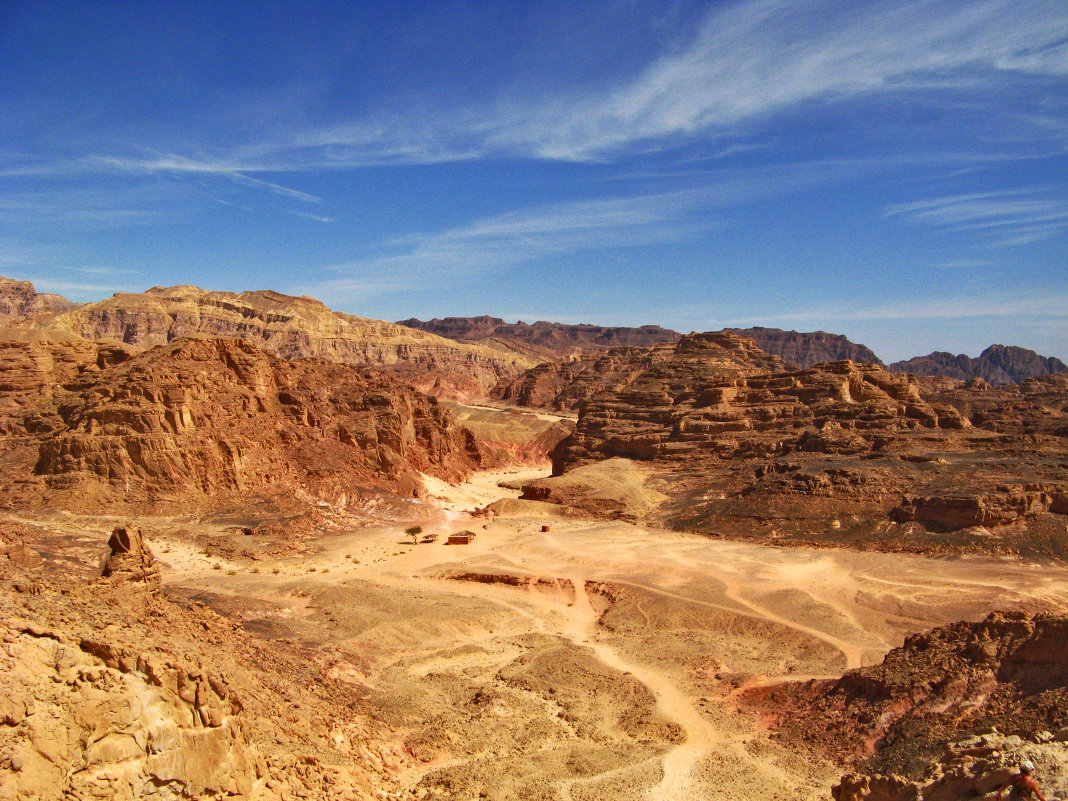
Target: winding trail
x,y
700,736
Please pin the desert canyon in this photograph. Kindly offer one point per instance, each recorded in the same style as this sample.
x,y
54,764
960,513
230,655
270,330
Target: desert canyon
x,y
748,564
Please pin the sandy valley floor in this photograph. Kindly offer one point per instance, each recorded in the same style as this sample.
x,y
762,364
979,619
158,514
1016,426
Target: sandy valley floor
x,y
593,660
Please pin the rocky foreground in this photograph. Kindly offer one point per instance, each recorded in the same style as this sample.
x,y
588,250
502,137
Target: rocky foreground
x,y
110,690
948,715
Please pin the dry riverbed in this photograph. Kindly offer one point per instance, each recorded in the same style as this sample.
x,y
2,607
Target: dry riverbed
x,y
591,660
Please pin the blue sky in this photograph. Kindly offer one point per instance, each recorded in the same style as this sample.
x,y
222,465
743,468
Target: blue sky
x,y
893,171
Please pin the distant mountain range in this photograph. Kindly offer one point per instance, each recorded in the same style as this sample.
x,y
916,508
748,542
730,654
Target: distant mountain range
x,y
998,364
451,357
808,349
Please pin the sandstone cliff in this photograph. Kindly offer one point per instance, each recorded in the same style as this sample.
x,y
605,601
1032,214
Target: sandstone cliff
x,y
806,349
698,402
202,422
286,326
19,301
566,384
998,364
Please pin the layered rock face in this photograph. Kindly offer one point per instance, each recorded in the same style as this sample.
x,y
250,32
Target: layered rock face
x,y
998,364
20,301
199,422
544,338
961,683
33,374
1037,406
107,691
698,402
806,349
290,327
841,452
567,384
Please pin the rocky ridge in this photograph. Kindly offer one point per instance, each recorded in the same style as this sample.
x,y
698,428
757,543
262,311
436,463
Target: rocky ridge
x,y
565,384
806,349
544,339
960,684
998,364
287,326
19,301
200,423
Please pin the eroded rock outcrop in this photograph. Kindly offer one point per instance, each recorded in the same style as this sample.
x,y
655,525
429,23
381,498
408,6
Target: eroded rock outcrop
x,y
201,422
104,699
569,383
130,562
686,405
1009,671
840,453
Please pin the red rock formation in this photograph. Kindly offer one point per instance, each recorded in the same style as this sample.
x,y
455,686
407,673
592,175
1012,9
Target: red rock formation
x,y
699,402
567,384
19,301
198,422
1009,671
290,327
544,338
1038,406
842,453
809,348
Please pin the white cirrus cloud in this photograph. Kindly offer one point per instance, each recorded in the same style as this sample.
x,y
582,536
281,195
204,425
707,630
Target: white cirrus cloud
x,y
1014,217
746,61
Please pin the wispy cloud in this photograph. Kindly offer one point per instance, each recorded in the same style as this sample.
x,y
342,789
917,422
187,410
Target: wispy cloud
x,y
170,163
960,264
316,217
746,61
1052,304
575,227
514,238
1015,216
79,206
